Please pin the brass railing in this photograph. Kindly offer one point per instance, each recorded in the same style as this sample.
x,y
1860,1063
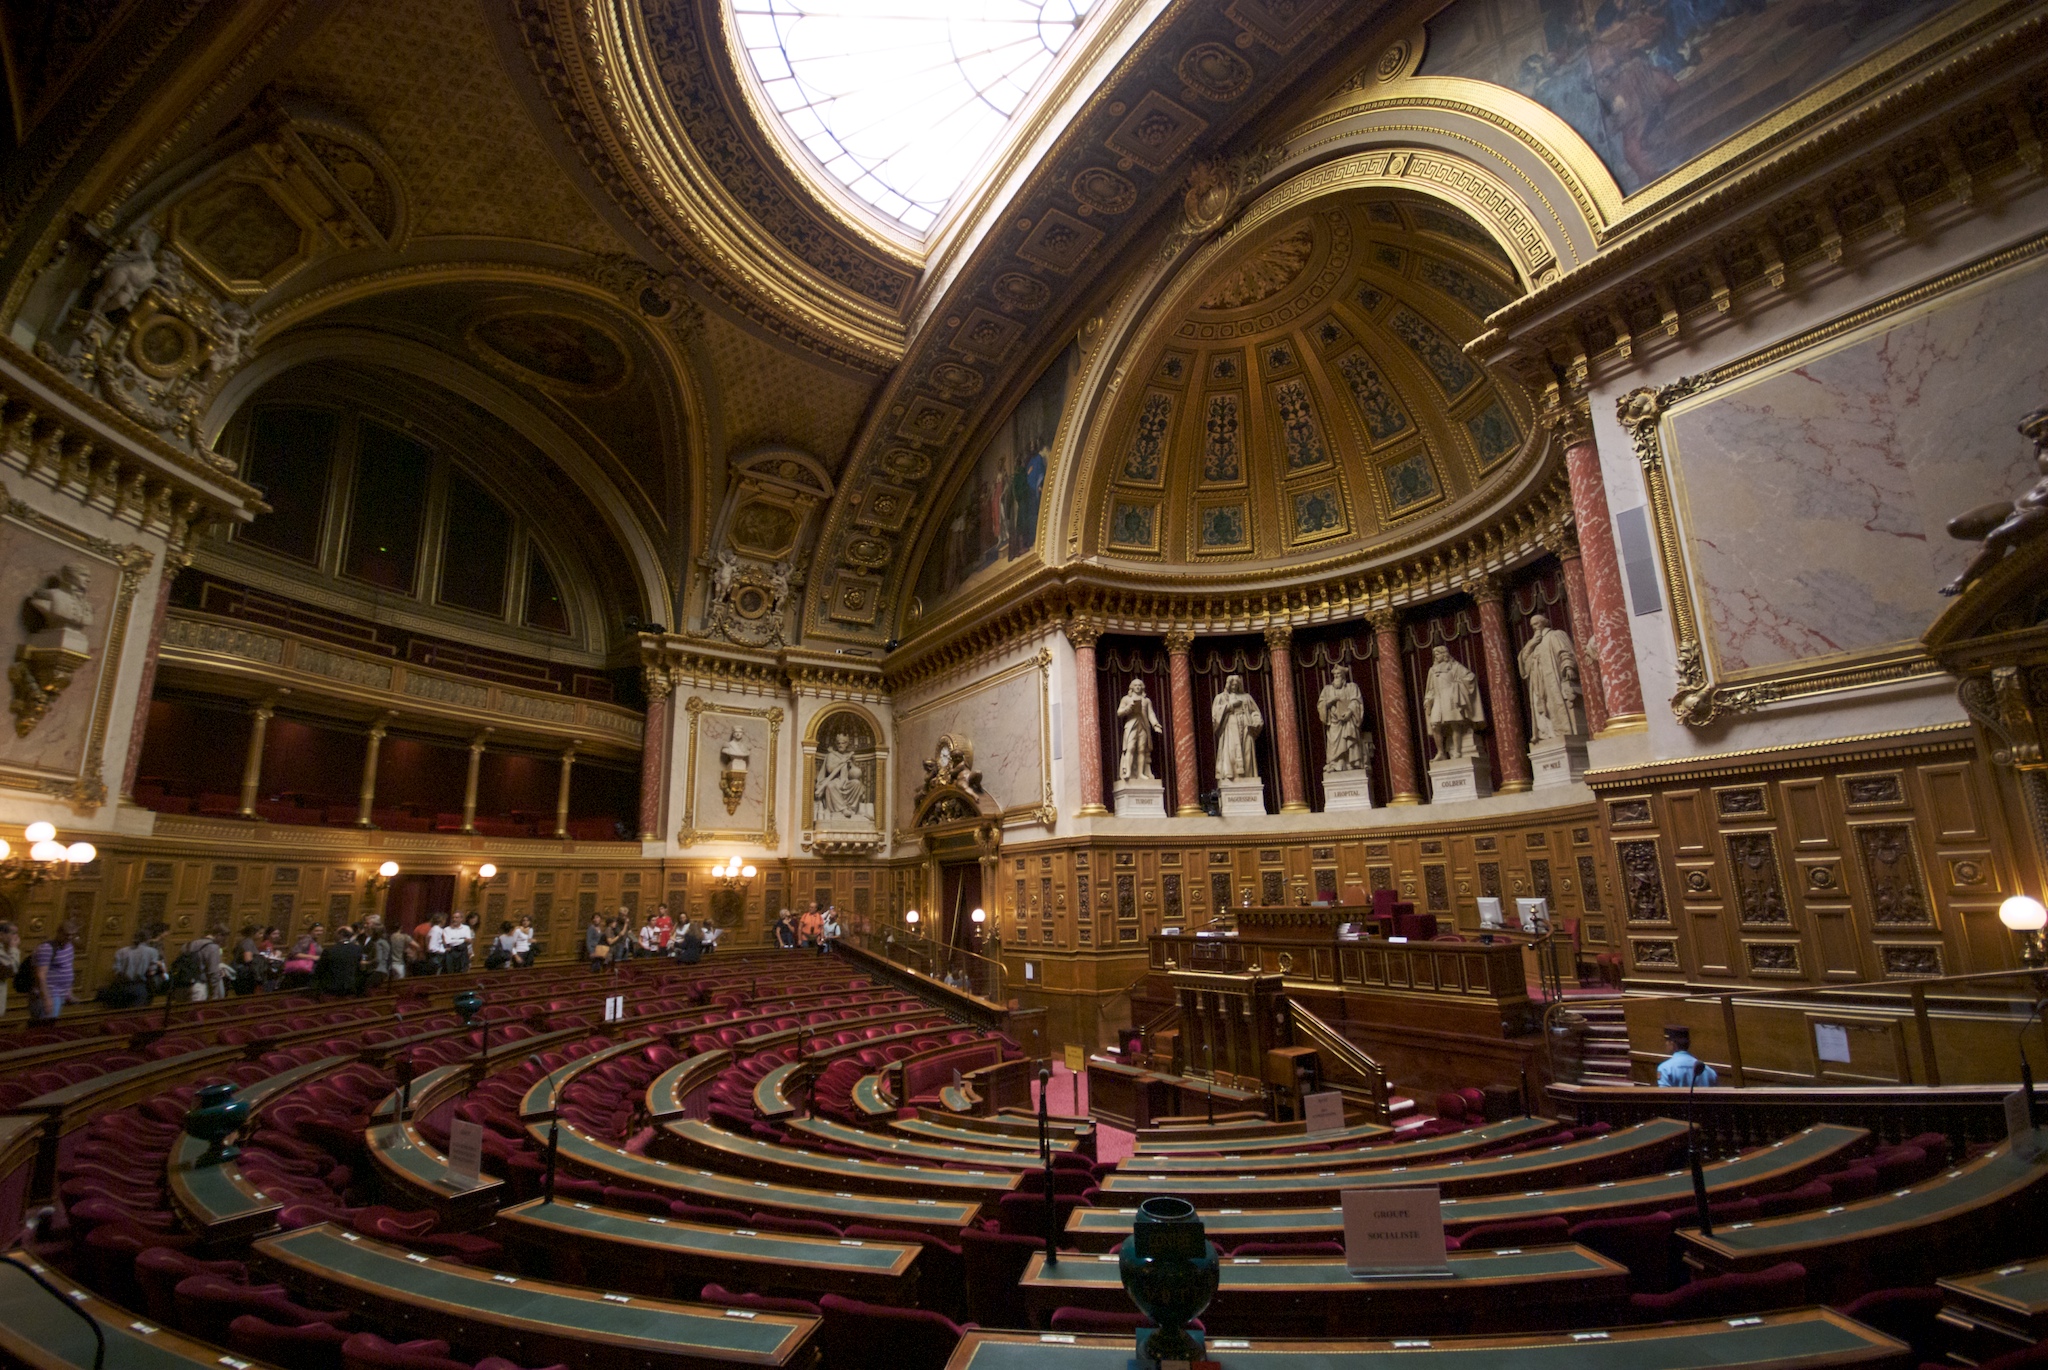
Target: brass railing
x,y
1370,1091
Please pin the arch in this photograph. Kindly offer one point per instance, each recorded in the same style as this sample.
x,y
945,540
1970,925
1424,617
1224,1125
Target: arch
x,y
430,364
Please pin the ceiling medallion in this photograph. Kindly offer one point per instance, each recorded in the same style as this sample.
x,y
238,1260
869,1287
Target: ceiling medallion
x,y
1214,72
1100,189
955,381
1392,61
870,553
1014,290
906,463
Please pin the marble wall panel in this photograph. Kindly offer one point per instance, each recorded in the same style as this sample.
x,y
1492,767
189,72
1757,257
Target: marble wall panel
x,y
1856,455
1003,717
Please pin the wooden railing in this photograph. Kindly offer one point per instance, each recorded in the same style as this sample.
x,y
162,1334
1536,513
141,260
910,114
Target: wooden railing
x,y
1367,1082
1732,1120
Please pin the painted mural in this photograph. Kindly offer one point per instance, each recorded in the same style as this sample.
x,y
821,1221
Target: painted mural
x,y
1652,84
994,518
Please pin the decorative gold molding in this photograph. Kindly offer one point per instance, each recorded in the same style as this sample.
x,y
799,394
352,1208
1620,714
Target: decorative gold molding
x,y
1900,742
691,835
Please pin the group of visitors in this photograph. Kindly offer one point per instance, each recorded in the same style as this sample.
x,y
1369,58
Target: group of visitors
x,y
612,939
814,929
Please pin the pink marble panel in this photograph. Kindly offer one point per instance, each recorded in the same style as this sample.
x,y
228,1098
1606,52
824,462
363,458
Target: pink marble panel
x,y
1814,499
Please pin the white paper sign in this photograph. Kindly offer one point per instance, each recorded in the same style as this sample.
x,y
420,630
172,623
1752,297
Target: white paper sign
x,y
1394,1231
615,1008
1324,1112
1831,1042
2026,1143
465,1149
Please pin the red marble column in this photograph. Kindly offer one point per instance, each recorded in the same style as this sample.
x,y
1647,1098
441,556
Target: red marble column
x,y
1397,733
653,755
1569,558
1088,715
1186,782
1286,725
1607,621
1502,689
172,565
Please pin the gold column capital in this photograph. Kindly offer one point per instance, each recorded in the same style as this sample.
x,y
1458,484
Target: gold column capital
x,y
1384,620
1570,420
1179,641
1082,632
1485,590
1279,637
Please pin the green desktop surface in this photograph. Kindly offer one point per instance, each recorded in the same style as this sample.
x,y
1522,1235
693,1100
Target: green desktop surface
x,y
1385,1153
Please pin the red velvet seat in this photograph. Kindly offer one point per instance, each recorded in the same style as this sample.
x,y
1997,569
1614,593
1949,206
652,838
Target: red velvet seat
x,y
1023,1215
1521,1232
309,1346
726,1298
1644,1242
708,1215
857,1334
1911,1315
368,1351
161,1269
993,1263
941,1280
206,1304
1721,1296
1856,1182
1812,1194
798,1227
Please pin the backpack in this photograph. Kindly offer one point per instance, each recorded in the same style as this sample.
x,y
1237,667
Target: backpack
x,y
189,969
25,978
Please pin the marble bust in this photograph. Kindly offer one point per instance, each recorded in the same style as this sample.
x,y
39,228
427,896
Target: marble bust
x,y
1238,722
1138,721
65,608
1341,707
1551,666
1452,707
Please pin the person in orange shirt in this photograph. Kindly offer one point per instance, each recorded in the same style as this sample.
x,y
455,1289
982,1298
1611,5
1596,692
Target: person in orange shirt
x,y
810,927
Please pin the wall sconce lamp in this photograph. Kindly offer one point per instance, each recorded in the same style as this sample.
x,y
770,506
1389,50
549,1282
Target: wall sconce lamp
x,y
46,856
732,874
2026,916
910,917
485,873
381,881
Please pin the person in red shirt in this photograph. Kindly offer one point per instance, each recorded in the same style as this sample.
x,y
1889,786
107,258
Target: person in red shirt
x,y
664,927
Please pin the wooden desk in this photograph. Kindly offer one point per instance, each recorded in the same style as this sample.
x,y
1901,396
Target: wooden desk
x,y
1778,1166
699,1143
1625,1152
928,1131
584,1153
1488,1291
1988,1209
1264,1137
1802,1339
993,1158
1388,1153
871,1098
1128,1097
217,1200
36,1332
543,1094
532,1321
668,1093
668,1257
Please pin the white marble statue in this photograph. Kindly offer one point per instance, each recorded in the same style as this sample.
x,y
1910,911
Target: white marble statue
x,y
722,576
1238,723
1551,666
127,271
778,585
1138,720
1452,707
735,754
1341,706
65,607
840,789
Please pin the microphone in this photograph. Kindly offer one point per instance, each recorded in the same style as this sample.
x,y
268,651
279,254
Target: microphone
x,y
1692,1147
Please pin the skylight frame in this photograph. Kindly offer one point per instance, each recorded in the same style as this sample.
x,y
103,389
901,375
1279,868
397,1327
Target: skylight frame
x,y
847,176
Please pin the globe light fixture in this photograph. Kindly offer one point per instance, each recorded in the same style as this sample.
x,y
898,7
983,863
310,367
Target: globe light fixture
x,y
388,869
79,853
487,871
40,832
46,850
2026,916
910,917
746,872
979,916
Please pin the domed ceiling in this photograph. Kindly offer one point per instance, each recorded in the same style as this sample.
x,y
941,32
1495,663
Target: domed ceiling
x,y
1309,394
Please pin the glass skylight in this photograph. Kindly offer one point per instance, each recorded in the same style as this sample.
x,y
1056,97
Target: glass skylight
x,y
898,99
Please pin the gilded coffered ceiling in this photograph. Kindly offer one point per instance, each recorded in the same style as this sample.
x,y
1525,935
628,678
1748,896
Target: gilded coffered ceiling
x,y
1307,395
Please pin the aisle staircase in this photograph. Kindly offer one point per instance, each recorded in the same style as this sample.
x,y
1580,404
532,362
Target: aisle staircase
x,y
1605,1060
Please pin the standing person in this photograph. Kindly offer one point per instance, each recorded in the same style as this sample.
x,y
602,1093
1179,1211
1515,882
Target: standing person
x,y
621,935
10,958
244,974
1681,1068
437,944
594,947
785,931
501,953
711,932
522,942
305,954
690,943
650,939
135,965
270,956
811,926
203,966
828,933
664,926
340,968
376,954
422,933
400,952
56,970
462,935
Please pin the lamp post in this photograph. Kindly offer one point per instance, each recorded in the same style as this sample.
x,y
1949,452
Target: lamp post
x,y
2025,915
